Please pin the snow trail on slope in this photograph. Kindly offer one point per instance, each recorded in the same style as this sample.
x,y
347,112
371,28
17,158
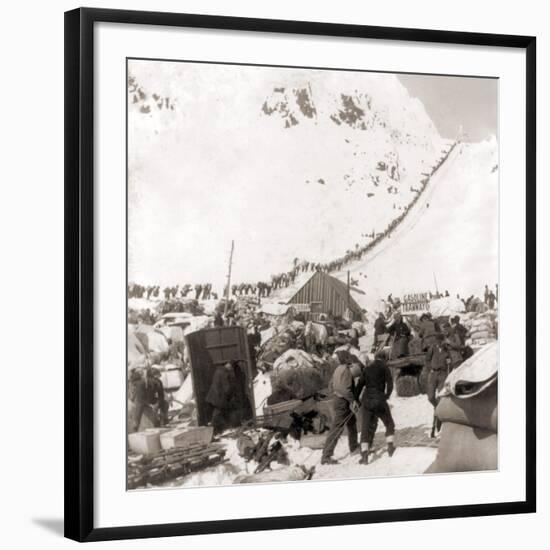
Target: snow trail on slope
x,y
455,237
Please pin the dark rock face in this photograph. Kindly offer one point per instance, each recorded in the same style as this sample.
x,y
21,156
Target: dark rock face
x,y
290,105
304,101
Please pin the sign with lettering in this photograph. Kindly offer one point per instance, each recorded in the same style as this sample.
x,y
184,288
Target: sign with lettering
x,y
415,303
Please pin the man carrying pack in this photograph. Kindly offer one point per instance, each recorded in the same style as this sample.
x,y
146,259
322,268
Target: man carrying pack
x,y
345,406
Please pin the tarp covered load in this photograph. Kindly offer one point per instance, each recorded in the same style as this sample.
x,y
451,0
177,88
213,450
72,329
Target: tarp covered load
x,y
446,306
469,414
145,343
197,323
275,347
474,375
298,374
275,309
137,352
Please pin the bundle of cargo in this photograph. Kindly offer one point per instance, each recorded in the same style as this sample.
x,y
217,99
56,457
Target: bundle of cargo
x,y
165,465
482,328
301,374
263,447
468,410
274,348
151,441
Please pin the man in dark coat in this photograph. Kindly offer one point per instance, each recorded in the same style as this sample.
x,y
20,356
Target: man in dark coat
x,y
401,333
221,397
379,330
254,343
345,407
377,380
439,361
428,330
460,330
147,393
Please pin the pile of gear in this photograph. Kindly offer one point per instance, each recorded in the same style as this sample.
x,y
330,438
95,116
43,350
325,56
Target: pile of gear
x,y
297,375
483,327
273,348
263,447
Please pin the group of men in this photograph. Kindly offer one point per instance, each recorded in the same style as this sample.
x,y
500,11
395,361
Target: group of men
x,y
398,330
202,291
140,291
445,350
365,390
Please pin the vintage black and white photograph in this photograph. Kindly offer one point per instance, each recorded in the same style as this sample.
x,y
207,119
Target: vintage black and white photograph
x,y
312,274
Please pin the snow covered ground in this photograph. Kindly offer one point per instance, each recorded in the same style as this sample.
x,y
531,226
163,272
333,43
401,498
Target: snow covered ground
x,y
415,452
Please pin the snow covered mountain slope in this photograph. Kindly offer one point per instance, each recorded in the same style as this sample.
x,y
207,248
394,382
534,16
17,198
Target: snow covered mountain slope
x,y
289,163
451,232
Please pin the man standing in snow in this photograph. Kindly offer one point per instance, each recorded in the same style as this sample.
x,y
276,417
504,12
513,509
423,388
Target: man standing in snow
x,y
438,360
459,329
427,330
377,380
345,407
491,300
401,332
220,397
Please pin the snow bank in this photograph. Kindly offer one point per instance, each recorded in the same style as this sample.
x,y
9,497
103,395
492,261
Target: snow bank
x,y
274,309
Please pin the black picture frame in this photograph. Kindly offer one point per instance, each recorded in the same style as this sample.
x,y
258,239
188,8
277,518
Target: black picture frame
x,y
79,269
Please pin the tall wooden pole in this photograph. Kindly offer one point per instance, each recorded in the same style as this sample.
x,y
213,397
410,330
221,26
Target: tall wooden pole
x,y
348,297
228,279
435,281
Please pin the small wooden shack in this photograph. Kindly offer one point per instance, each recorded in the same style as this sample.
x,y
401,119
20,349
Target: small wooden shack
x,y
323,294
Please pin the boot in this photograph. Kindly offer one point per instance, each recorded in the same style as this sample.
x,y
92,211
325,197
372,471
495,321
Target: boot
x,y
391,448
354,450
364,457
329,460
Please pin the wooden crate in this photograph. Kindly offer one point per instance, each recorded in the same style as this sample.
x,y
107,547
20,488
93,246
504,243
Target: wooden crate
x,y
186,437
145,443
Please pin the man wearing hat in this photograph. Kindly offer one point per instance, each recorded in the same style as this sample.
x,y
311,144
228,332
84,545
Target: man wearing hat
x,y
439,361
345,405
428,330
460,330
401,333
377,380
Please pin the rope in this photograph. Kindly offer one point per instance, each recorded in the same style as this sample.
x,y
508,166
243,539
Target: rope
x,y
339,429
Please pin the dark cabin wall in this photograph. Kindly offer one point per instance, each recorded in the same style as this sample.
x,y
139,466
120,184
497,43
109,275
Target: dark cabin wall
x,y
332,293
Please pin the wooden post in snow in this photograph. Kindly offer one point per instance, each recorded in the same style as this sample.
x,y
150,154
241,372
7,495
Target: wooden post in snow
x,y
348,310
435,281
228,279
